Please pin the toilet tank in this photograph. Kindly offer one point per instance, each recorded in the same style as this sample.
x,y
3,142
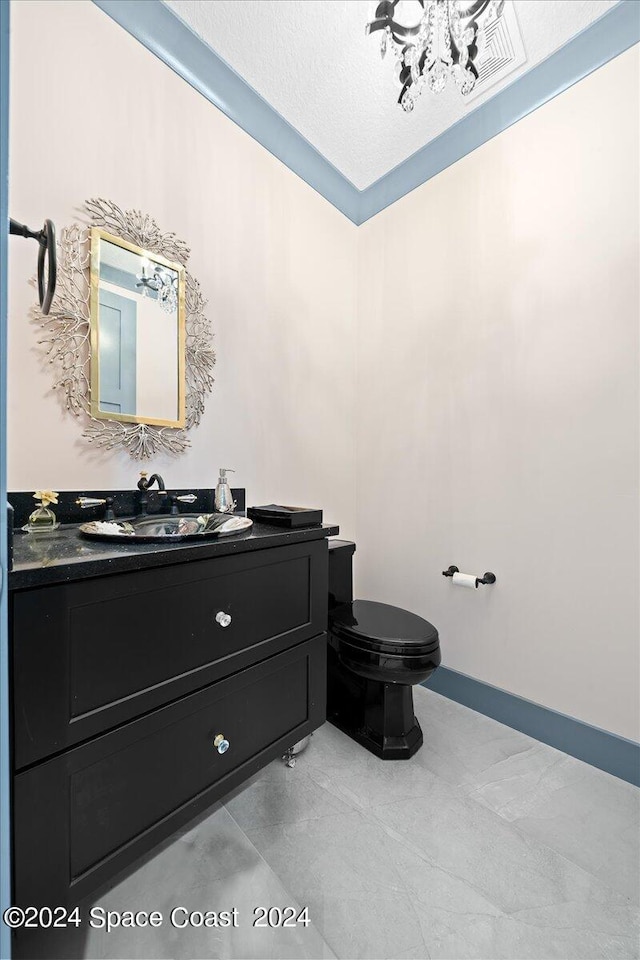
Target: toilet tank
x,y
340,571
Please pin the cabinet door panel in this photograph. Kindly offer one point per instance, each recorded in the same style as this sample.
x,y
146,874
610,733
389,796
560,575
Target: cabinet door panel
x,y
89,656
89,813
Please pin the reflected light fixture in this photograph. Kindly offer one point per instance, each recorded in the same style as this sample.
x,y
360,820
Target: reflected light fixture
x,y
433,40
161,283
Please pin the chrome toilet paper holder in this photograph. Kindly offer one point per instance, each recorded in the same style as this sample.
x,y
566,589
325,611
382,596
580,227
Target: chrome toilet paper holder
x,y
487,578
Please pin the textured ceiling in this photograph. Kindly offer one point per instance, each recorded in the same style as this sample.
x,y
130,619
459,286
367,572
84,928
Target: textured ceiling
x,y
311,61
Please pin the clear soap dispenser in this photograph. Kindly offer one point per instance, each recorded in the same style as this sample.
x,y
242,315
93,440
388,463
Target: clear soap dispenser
x,y
224,502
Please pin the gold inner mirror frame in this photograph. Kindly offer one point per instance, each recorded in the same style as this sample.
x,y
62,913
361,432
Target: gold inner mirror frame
x,y
165,391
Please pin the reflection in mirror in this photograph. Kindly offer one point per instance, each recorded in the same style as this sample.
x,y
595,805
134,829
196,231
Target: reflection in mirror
x,y
137,334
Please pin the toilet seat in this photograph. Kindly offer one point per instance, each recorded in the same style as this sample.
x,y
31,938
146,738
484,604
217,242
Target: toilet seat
x,y
383,629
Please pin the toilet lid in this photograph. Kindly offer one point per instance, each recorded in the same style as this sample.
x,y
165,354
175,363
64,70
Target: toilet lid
x,y
380,626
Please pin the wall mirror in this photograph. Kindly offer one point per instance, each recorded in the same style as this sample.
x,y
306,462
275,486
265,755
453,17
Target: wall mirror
x,y
137,333
127,334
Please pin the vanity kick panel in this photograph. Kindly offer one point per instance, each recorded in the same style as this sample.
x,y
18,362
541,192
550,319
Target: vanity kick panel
x,y
82,816
96,653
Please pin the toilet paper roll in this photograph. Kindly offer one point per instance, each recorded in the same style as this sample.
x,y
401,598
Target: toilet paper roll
x,y
465,580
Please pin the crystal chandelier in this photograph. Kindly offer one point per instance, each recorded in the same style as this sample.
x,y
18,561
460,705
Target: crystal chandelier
x,y
162,283
443,41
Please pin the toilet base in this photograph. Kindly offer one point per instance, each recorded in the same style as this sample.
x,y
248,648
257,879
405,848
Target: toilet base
x,y
377,715
387,748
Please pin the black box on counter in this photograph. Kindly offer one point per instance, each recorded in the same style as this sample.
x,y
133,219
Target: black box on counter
x,y
286,516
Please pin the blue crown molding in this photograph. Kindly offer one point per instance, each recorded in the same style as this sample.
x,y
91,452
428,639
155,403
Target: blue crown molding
x,y
606,38
162,32
158,28
607,751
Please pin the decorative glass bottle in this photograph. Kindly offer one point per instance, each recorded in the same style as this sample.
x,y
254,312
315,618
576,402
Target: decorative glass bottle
x,y
42,518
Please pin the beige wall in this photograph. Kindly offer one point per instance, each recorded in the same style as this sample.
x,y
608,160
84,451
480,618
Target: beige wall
x,y
496,415
275,261
498,403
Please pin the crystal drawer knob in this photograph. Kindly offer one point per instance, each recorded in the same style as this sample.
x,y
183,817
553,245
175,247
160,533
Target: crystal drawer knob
x,y
221,744
224,619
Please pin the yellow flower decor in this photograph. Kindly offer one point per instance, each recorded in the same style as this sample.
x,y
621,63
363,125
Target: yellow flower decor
x,y
46,497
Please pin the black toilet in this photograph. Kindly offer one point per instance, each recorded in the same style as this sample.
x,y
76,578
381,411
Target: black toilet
x,y
376,653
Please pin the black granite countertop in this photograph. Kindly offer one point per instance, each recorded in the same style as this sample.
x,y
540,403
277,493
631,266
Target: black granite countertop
x,y
65,555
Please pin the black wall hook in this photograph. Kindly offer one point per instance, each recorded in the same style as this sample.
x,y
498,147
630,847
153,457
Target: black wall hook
x,y
47,254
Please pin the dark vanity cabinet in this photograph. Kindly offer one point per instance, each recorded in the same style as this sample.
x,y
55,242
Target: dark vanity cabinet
x,y
127,687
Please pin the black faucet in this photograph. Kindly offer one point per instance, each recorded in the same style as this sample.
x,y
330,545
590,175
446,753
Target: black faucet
x,y
143,486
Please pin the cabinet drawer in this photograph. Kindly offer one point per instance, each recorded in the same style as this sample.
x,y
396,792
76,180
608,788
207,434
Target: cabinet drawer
x,y
91,655
87,814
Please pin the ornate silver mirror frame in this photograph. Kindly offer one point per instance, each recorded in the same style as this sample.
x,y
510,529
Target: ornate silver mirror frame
x,y
68,331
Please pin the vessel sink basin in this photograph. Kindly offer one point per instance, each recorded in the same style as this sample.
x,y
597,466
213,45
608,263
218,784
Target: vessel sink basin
x,y
166,528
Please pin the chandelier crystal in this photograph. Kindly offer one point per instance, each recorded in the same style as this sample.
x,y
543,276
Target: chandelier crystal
x,y
163,283
443,42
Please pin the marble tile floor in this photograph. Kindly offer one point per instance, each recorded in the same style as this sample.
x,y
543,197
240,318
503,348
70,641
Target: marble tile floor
x,y
486,845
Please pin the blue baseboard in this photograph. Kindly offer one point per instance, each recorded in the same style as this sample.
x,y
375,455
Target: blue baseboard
x,y
601,749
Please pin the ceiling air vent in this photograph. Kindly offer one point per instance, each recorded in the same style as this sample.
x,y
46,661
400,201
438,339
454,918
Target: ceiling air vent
x,y
502,53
